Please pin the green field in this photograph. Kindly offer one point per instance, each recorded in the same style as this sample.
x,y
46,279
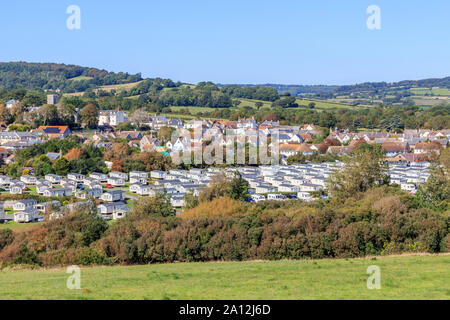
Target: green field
x,y
193,110
326,105
80,78
17,226
406,277
434,91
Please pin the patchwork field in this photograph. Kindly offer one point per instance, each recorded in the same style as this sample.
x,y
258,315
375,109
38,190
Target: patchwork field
x,y
405,277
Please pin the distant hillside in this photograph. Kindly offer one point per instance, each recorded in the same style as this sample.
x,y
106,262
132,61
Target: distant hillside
x,y
67,78
356,88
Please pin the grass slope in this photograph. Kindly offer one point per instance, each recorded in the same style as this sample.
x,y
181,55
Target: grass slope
x,y
406,277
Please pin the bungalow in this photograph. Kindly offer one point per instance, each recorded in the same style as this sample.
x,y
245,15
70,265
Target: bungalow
x,y
53,178
304,196
142,189
30,180
309,187
288,188
47,206
58,192
76,177
92,183
177,201
116,182
16,189
156,174
41,187
115,211
264,188
99,176
121,175
4,180
139,174
26,216
24,204
113,196
136,179
90,193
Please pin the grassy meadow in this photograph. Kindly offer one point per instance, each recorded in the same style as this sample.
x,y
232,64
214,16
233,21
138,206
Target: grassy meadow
x,y
402,277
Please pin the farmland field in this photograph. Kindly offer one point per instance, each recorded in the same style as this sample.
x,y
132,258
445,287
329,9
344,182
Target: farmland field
x,y
325,105
402,277
434,91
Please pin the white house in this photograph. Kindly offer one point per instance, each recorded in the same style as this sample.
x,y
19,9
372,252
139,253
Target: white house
x,y
58,192
177,201
76,177
139,174
99,177
111,118
304,196
156,174
26,216
116,182
4,180
121,175
24,204
30,180
53,178
137,179
16,189
113,196
142,189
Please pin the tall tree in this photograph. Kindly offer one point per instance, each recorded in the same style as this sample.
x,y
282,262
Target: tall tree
x,y
89,115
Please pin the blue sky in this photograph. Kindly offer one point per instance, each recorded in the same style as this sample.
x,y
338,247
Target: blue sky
x,y
246,41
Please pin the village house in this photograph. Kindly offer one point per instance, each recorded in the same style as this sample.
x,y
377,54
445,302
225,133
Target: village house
x,y
428,148
55,132
394,148
112,118
148,143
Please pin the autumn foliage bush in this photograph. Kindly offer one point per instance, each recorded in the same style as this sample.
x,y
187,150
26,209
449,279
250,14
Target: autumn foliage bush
x,y
379,221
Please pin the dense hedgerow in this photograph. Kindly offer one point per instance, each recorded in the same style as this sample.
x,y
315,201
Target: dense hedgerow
x,y
379,221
